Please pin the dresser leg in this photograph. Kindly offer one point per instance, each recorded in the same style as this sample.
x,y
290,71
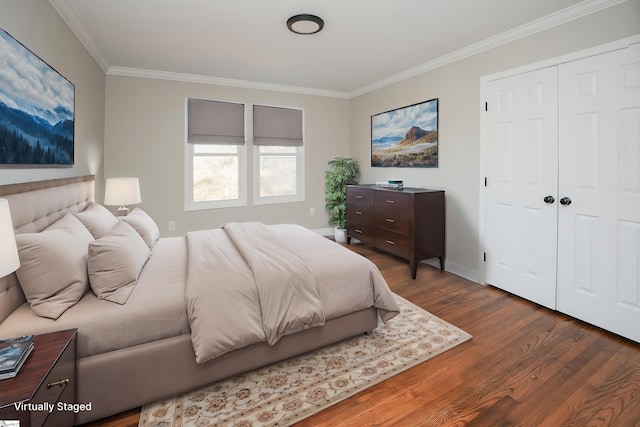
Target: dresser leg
x,y
441,262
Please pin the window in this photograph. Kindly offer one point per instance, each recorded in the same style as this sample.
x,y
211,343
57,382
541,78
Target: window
x,y
216,173
279,154
215,155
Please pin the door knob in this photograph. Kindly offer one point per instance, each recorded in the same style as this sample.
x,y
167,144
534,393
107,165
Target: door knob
x,y
565,201
549,199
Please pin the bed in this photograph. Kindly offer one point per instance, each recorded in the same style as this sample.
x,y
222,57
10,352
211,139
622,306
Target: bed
x,y
183,312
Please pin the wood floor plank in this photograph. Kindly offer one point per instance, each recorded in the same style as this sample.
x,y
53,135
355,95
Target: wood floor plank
x,y
595,360
605,406
525,365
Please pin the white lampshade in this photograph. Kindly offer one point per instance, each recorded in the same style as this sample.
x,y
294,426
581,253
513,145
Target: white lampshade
x,y
121,192
9,260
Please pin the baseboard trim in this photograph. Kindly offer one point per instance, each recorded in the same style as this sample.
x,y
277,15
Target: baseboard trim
x,y
323,231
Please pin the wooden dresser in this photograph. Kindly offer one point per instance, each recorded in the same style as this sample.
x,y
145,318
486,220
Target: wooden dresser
x,y
409,223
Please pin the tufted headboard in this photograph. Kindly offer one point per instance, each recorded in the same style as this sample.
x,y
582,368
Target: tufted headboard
x,y
34,206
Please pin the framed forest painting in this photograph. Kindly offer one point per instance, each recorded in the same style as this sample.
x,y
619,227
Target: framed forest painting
x,y
36,109
406,137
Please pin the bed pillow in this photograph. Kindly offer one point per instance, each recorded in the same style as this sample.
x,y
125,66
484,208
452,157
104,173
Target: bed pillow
x,y
53,266
144,225
115,261
98,219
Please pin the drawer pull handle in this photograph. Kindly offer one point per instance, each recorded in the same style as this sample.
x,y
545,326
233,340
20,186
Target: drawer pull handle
x,y
358,196
358,213
390,201
391,242
61,383
358,231
390,220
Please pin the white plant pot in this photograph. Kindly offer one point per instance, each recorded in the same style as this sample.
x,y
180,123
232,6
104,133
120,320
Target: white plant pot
x,y
340,234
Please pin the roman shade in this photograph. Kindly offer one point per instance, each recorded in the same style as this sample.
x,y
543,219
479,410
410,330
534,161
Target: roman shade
x,y
277,126
215,122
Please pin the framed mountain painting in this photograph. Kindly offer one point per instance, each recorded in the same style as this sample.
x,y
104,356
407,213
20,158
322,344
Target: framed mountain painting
x,y
36,109
406,137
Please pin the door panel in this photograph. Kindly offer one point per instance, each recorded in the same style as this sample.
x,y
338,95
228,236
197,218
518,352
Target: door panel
x,y
522,169
598,247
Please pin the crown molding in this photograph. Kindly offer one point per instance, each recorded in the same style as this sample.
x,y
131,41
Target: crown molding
x,y
587,7
69,16
194,78
577,11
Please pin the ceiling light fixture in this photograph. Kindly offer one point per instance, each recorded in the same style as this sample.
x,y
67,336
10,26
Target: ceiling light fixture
x,y
305,24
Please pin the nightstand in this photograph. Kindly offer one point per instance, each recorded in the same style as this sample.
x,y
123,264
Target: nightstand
x,y
46,381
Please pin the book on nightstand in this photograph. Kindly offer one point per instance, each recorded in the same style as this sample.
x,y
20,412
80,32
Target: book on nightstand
x,y
13,353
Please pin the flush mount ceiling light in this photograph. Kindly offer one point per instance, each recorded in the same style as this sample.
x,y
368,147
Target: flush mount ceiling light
x,y
305,24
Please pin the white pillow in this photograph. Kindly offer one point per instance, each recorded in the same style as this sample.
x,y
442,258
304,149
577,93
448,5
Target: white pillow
x,y
53,266
144,225
97,219
115,261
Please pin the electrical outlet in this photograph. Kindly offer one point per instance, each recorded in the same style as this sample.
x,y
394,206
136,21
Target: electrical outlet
x,y
312,211
172,225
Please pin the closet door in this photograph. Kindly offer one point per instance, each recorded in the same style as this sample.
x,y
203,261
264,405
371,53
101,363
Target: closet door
x,y
521,125
599,191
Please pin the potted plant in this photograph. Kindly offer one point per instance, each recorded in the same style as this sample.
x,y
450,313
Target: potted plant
x,y
342,171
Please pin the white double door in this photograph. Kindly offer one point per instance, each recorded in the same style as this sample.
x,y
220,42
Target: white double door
x,y
563,188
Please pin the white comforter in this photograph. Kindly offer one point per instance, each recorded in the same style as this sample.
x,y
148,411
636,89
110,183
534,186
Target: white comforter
x,y
248,282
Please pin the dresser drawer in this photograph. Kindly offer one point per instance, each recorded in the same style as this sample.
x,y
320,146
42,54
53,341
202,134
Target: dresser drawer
x,y
393,201
392,242
359,196
392,220
359,214
362,232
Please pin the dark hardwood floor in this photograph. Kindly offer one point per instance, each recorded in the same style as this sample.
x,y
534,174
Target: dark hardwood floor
x,y
525,366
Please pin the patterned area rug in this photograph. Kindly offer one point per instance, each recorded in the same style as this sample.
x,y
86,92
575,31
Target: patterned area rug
x,y
289,391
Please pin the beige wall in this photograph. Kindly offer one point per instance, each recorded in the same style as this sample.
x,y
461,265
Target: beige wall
x,y
140,124
145,137
35,24
458,88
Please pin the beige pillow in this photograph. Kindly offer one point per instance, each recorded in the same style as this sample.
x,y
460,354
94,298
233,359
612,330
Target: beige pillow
x,y
97,219
53,266
144,225
115,261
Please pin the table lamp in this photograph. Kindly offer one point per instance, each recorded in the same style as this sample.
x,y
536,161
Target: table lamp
x,y
122,192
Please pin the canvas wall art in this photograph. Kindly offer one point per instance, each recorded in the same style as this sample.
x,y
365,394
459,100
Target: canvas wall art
x,y
406,137
36,109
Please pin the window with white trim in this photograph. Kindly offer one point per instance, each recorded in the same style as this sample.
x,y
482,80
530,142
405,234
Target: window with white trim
x,y
279,155
216,155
